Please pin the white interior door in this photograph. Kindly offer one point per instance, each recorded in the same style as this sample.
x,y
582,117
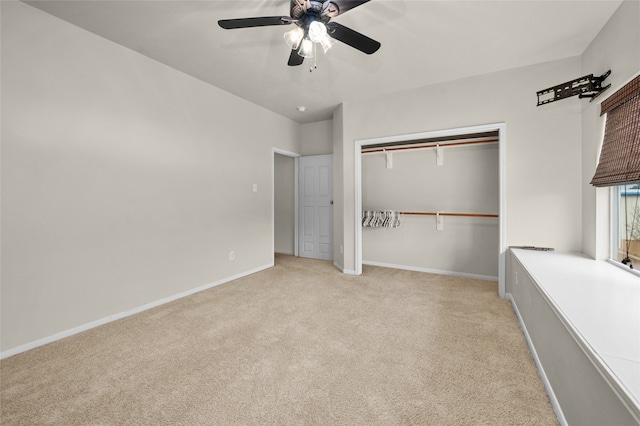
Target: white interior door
x,y
315,200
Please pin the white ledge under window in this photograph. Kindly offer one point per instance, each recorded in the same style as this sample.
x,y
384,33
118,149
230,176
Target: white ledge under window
x,y
624,267
600,303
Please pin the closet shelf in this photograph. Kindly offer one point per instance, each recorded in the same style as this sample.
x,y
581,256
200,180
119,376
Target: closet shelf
x,y
430,145
450,214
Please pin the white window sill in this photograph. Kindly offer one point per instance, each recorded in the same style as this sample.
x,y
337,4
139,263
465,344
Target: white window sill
x,y
624,267
601,303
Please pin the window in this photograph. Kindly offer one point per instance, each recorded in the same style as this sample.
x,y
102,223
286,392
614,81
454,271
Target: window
x,y
619,162
625,240
619,167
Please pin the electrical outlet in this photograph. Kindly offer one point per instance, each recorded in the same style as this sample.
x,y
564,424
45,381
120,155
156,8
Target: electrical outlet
x,y
232,255
255,187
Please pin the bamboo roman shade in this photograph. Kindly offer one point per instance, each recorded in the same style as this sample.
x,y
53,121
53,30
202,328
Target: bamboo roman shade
x,y
620,157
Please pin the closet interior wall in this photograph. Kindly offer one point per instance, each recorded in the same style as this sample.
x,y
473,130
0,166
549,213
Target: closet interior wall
x,y
466,182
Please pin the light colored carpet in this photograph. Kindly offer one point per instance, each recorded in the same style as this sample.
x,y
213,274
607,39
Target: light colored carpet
x,y
299,343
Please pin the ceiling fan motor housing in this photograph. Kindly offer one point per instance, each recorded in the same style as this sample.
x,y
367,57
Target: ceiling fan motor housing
x,y
315,9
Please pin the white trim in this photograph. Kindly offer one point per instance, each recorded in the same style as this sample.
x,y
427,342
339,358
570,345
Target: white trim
x,y
296,158
614,215
502,166
344,271
296,179
625,267
115,317
543,376
614,234
285,152
358,204
287,252
432,271
502,134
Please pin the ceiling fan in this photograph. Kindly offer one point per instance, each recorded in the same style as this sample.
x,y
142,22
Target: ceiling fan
x,y
312,19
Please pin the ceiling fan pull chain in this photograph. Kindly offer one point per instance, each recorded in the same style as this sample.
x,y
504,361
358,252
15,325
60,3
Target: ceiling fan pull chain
x,y
315,58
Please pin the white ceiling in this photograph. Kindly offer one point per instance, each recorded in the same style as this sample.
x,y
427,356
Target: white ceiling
x,y
423,42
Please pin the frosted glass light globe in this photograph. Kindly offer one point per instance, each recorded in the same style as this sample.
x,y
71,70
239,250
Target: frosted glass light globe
x,y
294,37
317,31
306,48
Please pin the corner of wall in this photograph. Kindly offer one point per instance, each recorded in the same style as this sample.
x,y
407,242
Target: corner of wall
x,y
615,48
317,138
338,185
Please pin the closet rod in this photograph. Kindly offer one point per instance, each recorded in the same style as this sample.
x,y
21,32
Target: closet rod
x,y
451,214
443,145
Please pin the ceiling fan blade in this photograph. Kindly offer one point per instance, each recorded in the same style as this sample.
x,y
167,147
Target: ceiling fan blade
x,y
263,21
346,5
353,38
295,59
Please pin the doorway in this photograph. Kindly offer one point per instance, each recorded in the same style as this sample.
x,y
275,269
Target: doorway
x,y
285,202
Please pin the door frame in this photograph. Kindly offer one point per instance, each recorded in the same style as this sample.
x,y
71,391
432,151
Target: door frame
x,y
296,158
501,128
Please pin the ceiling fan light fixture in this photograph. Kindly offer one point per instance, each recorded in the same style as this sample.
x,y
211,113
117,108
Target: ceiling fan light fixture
x,y
294,37
306,48
312,25
317,31
327,42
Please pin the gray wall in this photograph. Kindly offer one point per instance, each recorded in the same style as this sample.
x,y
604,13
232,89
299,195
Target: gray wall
x,y
467,182
543,165
124,181
317,138
284,204
616,48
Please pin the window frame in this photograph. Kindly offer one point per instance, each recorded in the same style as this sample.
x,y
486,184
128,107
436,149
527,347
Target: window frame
x,y
614,230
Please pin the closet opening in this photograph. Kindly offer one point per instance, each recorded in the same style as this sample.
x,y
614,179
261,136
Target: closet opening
x,y
433,202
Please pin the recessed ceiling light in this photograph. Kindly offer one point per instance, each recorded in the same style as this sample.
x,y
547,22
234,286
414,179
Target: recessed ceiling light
x,y
302,108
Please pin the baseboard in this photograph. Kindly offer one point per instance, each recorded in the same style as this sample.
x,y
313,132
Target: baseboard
x,y
543,376
289,252
431,271
344,271
102,321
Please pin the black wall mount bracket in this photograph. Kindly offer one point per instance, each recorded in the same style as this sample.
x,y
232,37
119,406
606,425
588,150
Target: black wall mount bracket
x,y
584,87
